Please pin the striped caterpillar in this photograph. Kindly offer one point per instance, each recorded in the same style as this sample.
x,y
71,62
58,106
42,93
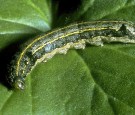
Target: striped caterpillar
x,y
76,36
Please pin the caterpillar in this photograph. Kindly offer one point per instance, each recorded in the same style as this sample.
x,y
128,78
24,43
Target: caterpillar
x,y
59,40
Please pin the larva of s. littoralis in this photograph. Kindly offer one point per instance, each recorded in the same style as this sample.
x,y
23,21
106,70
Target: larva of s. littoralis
x,y
60,40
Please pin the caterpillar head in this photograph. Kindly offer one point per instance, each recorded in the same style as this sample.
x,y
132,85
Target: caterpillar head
x,y
18,83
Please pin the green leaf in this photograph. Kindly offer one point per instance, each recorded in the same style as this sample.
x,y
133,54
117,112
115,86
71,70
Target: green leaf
x,y
94,81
